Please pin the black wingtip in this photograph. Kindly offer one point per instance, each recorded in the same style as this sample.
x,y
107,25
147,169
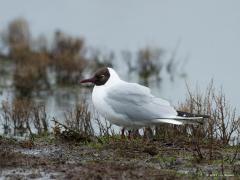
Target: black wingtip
x,y
186,114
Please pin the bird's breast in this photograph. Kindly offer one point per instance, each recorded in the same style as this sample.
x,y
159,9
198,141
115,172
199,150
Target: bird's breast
x,y
99,95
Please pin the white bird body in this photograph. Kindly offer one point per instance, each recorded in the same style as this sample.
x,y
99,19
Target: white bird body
x,y
99,95
131,105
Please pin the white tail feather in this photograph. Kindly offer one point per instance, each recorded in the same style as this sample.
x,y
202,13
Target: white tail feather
x,y
169,121
187,118
178,120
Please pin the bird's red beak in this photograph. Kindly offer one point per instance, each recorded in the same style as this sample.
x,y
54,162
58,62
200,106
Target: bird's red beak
x,y
90,80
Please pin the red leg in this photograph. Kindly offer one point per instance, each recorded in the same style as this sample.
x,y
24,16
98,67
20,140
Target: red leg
x,y
123,135
129,134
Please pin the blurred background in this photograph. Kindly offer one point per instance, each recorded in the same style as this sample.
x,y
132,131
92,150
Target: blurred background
x,y
46,47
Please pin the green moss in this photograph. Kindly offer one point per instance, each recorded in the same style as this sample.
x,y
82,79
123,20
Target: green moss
x,y
161,158
177,174
45,136
95,145
216,162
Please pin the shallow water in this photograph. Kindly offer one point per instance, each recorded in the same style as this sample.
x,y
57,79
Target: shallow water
x,y
57,103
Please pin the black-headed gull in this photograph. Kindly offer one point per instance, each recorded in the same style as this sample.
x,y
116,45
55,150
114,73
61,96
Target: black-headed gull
x,y
131,105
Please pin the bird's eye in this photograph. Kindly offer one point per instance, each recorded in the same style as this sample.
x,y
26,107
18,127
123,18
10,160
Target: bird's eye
x,y
102,76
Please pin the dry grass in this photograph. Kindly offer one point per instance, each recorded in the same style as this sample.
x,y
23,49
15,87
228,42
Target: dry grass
x,y
24,116
79,120
223,123
104,127
221,129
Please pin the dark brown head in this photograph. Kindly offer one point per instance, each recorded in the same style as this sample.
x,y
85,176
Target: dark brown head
x,y
100,77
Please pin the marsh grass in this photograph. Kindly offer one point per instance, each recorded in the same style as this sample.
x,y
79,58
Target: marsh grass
x,y
77,125
24,116
220,130
66,58
168,146
105,128
30,73
33,58
79,120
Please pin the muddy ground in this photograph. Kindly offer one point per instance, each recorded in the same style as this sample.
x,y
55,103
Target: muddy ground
x,y
111,158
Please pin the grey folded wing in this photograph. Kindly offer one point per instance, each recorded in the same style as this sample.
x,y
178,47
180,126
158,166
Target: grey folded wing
x,y
137,103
